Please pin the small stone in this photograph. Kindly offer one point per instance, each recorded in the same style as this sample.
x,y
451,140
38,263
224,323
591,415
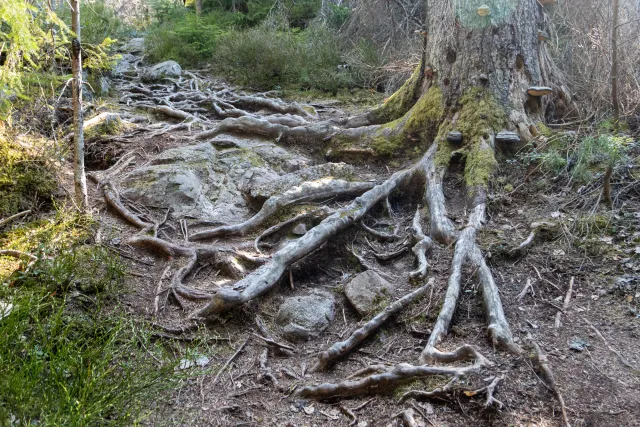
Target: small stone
x,y
454,136
366,291
300,230
184,364
202,361
306,316
309,410
578,344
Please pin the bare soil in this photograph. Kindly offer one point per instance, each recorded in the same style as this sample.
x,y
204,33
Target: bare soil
x,y
598,388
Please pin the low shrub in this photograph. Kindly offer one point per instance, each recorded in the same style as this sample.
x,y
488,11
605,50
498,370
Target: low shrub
x,y
186,38
27,177
260,57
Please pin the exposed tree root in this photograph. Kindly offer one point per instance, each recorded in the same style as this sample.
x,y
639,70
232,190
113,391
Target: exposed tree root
x,y
317,214
19,254
265,277
565,304
489,390
308,191
536,229
391,377
265,370
547,375
257,102
421,246
340,349
7,220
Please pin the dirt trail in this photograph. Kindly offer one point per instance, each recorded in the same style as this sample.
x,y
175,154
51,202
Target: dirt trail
x,y
252,381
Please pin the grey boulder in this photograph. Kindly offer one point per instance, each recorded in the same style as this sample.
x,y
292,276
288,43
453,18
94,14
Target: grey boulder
x,y
306,316
366,291
134,46
162,70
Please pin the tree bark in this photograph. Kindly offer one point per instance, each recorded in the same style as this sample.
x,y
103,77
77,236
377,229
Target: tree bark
x,y
79,178
199,7
614,62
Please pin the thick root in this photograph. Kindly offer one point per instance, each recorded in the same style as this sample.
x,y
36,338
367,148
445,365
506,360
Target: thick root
x,y
265,277
308,191
394,376
422,245
341,348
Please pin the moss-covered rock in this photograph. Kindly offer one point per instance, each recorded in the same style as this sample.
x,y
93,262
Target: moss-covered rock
x,y
103,124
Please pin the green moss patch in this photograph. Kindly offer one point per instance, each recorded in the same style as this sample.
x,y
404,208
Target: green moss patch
x,y
401,101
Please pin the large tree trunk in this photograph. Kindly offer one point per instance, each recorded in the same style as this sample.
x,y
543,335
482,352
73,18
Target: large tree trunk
x,y
79,178
499,54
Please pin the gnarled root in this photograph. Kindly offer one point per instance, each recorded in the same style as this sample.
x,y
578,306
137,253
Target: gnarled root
x,y
391,377
307,191
466,251
265,277
317,214
341,348
547,375
422,245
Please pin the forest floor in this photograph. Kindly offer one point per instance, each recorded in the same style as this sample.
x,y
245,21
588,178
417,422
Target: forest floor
x,y
594,352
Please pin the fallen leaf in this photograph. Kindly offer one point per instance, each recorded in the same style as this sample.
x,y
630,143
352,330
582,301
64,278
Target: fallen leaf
x,y
309,410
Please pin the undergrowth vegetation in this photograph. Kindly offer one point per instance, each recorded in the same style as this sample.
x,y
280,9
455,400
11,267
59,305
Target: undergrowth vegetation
x,y
27,174
69,355
265,48
580,156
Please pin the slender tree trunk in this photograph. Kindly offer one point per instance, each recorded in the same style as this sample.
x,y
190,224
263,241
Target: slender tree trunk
x,y
606,187
79,178
614,62
199,7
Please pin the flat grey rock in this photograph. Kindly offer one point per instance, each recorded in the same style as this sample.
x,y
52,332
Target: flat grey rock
x,y
125,65
160,71
366,291
134,46
305,316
